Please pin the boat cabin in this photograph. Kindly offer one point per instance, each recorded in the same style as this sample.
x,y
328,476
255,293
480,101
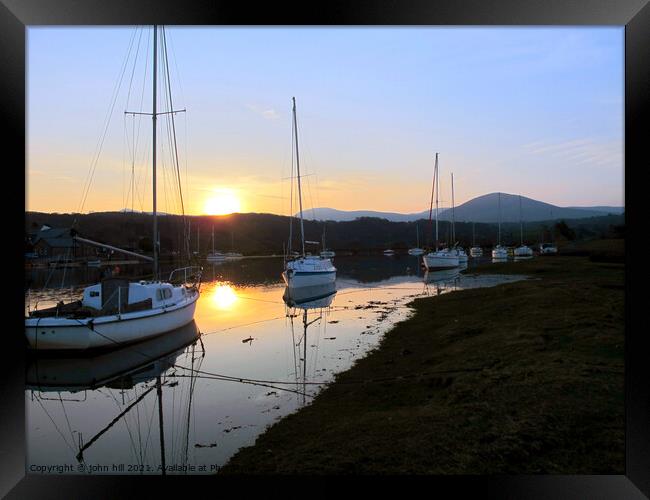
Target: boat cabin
x,y
118,293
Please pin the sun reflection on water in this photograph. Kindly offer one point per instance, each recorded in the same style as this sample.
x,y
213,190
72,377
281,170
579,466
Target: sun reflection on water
x,y
223,297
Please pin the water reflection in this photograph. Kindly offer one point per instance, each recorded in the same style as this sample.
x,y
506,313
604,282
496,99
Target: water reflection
x,y
299,302
126,376
223,296
132,364
268,351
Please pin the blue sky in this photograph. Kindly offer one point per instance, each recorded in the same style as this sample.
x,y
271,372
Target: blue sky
x,y
531,111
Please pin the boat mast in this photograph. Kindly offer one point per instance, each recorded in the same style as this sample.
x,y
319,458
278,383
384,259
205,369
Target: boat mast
x,y
153,117
436,181
521,225
473,234
212,238
295,129
453,217
433,186
499,234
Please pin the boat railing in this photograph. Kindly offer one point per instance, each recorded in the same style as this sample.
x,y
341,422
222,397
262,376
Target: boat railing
x,y
190,275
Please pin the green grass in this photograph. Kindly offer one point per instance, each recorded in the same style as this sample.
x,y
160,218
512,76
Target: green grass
x,y
524,377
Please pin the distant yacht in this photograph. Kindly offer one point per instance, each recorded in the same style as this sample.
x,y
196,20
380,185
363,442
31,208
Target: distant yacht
x,y
462,256
304,270
438,259
389,252
417,250
522,250
475,251
326,253
499,252
116,312
215,256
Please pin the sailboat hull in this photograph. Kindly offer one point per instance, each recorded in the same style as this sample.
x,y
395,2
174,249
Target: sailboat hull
x,y
107,331
440,260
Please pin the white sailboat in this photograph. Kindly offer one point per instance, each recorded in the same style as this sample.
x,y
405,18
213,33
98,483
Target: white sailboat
x,y
522,250
304,270
326,252
232,255
499,252
475,251
438,259
215,256
115,312
417,250
462,256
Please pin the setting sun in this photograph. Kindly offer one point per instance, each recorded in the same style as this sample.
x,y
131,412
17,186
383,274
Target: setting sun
x,y
222,202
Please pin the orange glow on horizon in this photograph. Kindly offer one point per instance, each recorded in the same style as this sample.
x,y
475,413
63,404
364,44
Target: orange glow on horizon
x,y
222,202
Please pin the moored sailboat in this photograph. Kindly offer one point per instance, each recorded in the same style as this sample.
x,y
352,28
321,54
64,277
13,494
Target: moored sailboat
x,y
499,253
438,259
304,270
522,250
417,250
115,312
475,251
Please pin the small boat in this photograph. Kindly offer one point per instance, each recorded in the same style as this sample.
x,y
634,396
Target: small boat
x,y
475,251
214,256
304,270
438,259
233,255
547,249
499,252
326,253
460,252
417,250
115,312
389,252
522,250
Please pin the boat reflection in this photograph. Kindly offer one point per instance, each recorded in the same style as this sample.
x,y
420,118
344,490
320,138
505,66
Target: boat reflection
x,y
310,297
441,280
130,364
299,302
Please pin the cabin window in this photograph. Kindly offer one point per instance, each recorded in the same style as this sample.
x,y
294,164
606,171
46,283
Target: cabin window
x,y
164,293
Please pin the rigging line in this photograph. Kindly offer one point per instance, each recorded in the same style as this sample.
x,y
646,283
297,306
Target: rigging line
x,y
244,381
66,418
132,442
146,443
111,424
135,62
171,108
225,378
289,249
243,325
86,189
55,426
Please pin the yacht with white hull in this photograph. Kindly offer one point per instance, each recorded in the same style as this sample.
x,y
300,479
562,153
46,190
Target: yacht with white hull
x,y
438,259
499,253
304,270
115,312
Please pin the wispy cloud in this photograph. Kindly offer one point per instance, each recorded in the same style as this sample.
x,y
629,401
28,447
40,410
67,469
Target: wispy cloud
x,y
580,151
267,113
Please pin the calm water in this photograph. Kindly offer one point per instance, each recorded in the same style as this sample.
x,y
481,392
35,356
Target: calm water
x,y
260,356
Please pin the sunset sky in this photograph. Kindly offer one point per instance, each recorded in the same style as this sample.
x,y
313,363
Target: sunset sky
x,y
530,111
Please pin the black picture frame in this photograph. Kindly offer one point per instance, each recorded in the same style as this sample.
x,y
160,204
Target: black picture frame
x,y
17,15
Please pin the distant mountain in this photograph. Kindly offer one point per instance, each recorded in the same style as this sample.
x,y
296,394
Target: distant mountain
x,y
481,209
345,215
605,210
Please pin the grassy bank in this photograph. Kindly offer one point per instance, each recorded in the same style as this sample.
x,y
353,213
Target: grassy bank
x,y
521,378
